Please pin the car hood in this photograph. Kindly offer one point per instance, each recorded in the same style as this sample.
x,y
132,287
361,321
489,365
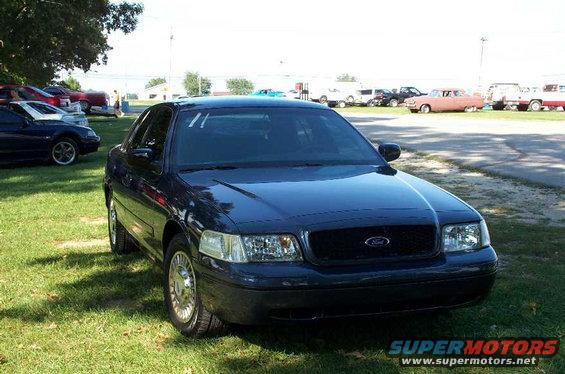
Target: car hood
x,y
314,197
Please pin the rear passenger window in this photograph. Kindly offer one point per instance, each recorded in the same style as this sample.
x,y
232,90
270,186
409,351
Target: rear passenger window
x,y
136,135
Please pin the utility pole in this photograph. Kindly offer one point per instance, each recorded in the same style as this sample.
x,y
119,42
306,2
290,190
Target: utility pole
x,y
170,62
483,40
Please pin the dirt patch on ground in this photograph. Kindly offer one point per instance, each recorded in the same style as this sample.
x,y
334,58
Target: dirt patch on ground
x,y
93,220
81,243
491,195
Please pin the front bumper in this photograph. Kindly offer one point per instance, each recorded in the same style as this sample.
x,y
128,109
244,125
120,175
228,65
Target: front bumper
x,y
90,145
264,293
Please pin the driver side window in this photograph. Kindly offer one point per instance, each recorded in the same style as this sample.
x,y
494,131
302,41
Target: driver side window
x,y
134,139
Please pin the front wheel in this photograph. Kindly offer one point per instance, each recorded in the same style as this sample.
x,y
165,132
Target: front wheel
x,y
535,106
350,100
341,104
393,103
323,99
85,106
186,311
425,108
64,152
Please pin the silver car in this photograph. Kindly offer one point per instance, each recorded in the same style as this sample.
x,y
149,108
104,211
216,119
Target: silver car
x,y
38,110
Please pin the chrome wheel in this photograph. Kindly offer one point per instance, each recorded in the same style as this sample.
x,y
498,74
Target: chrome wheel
x,y
64,153
393,103
112,223
182,287
425,108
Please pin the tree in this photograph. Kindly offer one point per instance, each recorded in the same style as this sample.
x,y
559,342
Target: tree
x,y
42,37
346,78
239,86
155,82
71,83
196,85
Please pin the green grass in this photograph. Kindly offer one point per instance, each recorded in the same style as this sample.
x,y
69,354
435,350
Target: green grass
x,y
483,114
69,310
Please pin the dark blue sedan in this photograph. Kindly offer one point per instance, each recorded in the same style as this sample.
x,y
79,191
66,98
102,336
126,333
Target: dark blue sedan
x,y
263,210
24,139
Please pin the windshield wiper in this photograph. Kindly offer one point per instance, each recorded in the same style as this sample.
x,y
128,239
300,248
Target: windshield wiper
x,y
211,167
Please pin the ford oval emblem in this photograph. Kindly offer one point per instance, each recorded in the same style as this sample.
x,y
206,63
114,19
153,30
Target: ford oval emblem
x,y
377,241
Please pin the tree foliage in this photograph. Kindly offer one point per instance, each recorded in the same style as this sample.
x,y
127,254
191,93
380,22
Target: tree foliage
x,y
239,86
155,82
42,37
346,78
193,87
71,83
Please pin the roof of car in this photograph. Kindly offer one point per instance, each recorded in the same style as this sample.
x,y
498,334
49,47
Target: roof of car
x,y
245,101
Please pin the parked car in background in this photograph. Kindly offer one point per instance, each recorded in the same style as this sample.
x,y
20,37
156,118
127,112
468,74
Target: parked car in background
x,y
551,96
333,97
22,139
405,93
10,93
502,95
303,220
267,92
86,99
445,100
367,96
38,110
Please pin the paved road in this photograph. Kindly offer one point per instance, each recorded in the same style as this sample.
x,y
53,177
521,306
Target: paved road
x,y
530,150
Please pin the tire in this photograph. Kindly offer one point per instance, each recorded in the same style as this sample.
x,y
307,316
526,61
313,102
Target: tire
x,y
535,105
349,100
341,104
425,109
191,319
393,103
121,242
323,99
64,151
470,109
85,106
371,103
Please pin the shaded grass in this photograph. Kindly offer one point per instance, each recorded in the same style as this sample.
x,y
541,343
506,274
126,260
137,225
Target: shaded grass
x,y
86,310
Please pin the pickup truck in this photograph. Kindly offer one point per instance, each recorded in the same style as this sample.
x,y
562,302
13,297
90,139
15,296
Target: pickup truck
x,y
86,99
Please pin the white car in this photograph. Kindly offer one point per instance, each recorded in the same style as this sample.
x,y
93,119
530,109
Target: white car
x,y
333,97
40,111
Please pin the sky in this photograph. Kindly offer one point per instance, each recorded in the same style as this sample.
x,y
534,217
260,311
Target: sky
x,y
426,44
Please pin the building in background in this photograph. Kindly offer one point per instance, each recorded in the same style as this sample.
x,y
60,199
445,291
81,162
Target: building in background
x,y
163,92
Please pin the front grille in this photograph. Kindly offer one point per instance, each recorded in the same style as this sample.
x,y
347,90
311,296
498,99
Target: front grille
x,y
349,244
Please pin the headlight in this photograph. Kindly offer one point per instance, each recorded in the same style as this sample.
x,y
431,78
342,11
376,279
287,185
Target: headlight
x,y
465,237
91,134
252,248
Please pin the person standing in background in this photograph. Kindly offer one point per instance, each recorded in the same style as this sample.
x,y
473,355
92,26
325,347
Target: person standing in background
x,y
116,101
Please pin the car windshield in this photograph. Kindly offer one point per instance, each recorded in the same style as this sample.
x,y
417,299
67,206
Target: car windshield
x,y
41,92
264,136
44,108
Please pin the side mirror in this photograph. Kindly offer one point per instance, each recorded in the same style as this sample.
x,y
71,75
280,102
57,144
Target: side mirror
x,y
143,153
390,151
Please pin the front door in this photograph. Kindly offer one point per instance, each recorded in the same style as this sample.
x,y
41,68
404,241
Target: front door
x,y
20,139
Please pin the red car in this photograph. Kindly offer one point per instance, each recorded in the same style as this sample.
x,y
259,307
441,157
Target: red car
x,y
12,92
85,99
